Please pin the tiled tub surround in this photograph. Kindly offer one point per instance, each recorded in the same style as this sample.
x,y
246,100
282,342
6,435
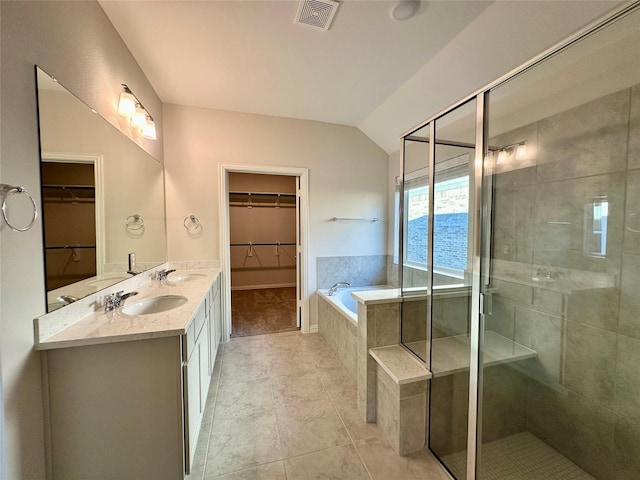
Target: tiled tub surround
x,y
338,323
359,271
389,390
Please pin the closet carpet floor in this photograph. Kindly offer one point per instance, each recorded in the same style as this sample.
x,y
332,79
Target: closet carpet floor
x,y
268,310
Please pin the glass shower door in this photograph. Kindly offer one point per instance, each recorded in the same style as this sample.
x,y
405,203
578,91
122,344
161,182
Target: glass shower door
x,y
561,347
450,271
415,235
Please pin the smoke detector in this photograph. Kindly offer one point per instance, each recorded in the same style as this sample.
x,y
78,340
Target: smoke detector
x,y
316,14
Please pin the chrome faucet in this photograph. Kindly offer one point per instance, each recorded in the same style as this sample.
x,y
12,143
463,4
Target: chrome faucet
x,y
335,286
163,274
116,300
67,299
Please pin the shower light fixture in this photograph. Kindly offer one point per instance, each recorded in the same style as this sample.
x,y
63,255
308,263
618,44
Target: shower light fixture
x,y
517,151
129,106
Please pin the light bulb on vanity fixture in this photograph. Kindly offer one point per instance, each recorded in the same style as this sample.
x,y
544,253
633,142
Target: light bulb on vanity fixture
x,y
129,106
149,130
139,120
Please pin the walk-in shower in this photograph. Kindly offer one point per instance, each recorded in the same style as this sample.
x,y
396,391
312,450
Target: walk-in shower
x,y
521,236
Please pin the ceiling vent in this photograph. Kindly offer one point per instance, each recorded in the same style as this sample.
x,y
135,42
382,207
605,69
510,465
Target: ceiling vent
x,y
316,14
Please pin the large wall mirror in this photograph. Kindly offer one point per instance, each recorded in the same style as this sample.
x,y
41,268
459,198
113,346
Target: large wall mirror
x,y
102,199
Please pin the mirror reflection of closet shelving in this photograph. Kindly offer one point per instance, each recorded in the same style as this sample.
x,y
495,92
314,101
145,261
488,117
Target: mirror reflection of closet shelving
x,y
69,222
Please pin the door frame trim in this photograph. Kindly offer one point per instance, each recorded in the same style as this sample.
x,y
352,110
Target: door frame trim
x,y
225,253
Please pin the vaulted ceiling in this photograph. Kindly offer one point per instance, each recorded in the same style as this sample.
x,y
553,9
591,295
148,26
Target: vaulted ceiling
x,y
368,70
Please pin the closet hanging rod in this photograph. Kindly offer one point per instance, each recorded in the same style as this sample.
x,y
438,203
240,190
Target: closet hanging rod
x,y
69,247
282,244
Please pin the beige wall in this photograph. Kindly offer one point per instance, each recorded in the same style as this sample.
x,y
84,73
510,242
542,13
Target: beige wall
x,y
347,178
75,42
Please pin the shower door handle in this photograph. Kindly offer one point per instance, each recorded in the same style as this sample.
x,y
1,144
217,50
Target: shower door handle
x,y
486,303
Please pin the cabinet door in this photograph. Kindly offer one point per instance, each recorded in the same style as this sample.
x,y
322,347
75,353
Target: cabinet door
x,y
192,402
205,376
214,340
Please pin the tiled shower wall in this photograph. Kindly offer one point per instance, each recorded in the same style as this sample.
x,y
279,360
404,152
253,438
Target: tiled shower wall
x,y
359,271
582,392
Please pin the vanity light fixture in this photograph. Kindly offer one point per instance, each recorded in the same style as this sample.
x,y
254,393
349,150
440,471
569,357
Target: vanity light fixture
x,y
129,106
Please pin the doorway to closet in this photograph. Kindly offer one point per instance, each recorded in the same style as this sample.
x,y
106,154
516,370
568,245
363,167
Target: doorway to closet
x,y
263,233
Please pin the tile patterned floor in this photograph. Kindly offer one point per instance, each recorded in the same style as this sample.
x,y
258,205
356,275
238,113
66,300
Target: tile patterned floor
x,y
281,406
262,311
522,456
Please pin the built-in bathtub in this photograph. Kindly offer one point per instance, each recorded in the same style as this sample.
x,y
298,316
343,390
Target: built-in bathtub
x,y
338,323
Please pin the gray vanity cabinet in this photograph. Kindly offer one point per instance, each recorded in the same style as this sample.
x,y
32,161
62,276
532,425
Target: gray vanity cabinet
x,y
130,409
215,323
196,377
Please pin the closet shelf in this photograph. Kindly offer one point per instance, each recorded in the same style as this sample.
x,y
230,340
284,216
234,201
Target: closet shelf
x,y
262,199
68,247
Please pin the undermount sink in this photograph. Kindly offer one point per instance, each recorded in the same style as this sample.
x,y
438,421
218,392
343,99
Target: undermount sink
x,y
185,277
154,305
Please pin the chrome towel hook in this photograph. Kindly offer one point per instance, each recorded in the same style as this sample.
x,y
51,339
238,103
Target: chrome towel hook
x,y
7,191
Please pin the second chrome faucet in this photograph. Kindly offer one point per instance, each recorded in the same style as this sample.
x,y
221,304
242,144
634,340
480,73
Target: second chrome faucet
x,y
116,300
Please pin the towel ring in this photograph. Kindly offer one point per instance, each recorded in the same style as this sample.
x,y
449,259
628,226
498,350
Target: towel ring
x,y
10,190
135,219
193,223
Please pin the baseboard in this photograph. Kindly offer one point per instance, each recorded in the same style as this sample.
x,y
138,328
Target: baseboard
x,y
313,329
261,287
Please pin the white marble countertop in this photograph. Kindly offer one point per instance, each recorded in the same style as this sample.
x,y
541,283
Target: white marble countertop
x,y
102,327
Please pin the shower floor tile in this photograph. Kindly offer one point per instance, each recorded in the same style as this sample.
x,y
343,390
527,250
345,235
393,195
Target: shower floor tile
x,y
522,456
